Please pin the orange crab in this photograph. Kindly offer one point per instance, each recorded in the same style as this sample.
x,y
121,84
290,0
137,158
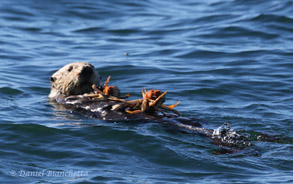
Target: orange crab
x,y
152,101
109,92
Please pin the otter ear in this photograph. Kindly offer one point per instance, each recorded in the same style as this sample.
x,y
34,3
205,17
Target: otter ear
x,y
52,79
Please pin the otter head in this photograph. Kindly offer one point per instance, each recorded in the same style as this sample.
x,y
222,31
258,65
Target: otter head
x,y
74,79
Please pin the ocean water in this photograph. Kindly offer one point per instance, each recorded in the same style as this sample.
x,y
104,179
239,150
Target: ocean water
x,y
226,60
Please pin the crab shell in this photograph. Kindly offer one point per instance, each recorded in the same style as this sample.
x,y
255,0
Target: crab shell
x,y
153,95
112,91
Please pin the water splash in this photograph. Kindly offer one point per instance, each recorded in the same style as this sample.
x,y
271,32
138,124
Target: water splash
x,y
225,135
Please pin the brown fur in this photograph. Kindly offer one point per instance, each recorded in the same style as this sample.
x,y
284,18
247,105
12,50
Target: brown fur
x,y
74,79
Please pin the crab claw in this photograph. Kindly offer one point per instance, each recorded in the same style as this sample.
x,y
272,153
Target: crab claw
x,y
107,81
163,106
142,93
172,106
106,90
156,101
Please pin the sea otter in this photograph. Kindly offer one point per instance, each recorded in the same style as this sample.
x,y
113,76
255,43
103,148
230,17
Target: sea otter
x,y
77,86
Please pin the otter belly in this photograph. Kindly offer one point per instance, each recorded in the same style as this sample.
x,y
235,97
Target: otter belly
x,y
100,109
105,110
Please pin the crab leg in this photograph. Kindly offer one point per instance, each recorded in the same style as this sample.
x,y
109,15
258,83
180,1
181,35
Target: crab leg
x,y
174,105
116,99
93,95
134,102
134,112
142,93
163,106
99,94
162,112
106,85
156,101
107,81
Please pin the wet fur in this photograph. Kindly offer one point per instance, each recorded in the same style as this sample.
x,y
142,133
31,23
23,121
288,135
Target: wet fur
x,y
73,79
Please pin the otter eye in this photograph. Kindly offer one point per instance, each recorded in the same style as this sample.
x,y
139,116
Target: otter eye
x,y
52,79
70,68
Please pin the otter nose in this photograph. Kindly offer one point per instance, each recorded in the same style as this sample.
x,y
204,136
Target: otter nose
x,y
87,72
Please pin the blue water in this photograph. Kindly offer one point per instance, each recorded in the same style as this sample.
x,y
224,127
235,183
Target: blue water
x,y
226,60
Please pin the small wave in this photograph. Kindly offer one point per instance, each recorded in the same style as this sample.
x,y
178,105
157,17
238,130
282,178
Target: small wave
x,y
200,54
239,31
206,92
88,30
266,18
21,12
123,31
10,91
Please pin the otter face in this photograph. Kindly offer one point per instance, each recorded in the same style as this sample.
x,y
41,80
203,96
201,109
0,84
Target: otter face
x,y
74,79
